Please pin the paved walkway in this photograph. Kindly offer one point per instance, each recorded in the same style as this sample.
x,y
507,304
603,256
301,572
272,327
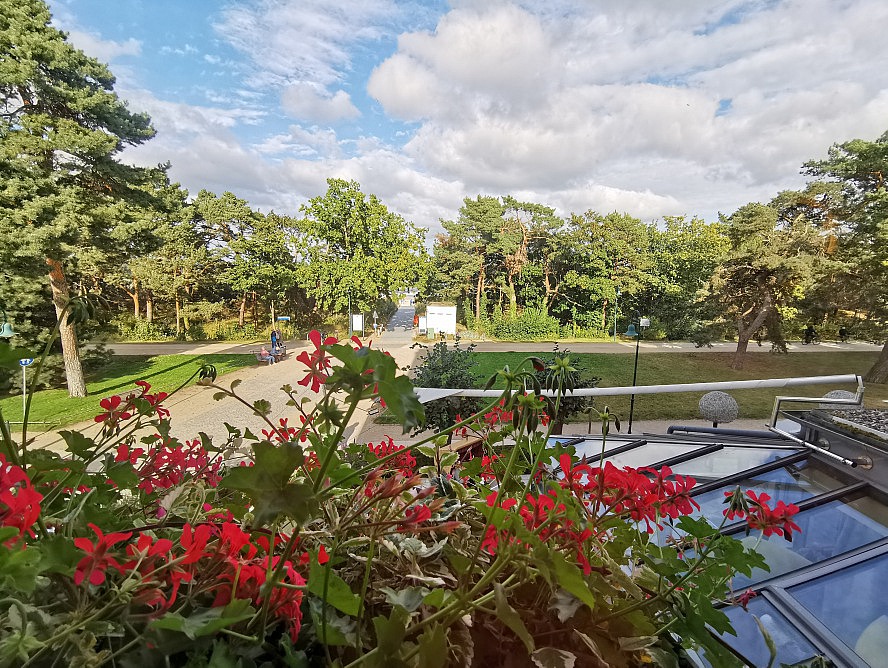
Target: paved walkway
x,y
194,410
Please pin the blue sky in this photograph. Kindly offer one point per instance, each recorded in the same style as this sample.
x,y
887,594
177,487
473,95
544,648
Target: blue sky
x,y
651,108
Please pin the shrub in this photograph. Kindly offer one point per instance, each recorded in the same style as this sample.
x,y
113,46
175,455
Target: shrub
x,y
130,328
530,324
443,366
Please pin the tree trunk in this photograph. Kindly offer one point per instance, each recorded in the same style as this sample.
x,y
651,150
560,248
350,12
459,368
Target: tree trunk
x,y
67,332
178,316
879,372
149,306
137,306
740,353
478,293
745,333
243,310
513,298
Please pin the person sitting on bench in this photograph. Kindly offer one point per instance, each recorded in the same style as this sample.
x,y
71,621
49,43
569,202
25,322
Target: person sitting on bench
x,y
266,356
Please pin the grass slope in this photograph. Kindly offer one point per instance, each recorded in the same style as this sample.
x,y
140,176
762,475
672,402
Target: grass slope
x,y
164,372
698,367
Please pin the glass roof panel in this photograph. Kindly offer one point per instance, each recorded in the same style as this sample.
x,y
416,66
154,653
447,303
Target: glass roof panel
x,y
792,647
729,460
852,604
791,484
826,531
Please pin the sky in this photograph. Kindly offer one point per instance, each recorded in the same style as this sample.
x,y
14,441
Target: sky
x,y
640,106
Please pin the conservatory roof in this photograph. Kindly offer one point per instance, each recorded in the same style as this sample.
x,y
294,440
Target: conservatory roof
x,y
823,594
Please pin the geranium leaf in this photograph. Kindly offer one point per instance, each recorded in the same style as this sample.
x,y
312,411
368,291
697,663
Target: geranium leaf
x,y
510,617
78,444
123,474
390,633
433,647
267,482
337,594
58,554
409,598
19,569
402,402
549,657
207,621
570,578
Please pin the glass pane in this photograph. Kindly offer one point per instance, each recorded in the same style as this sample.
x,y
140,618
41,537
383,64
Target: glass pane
x,y
644,455
792,484
826,531
852,604
728,461
792,646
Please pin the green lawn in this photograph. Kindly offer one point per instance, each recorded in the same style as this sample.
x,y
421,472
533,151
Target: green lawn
x,y
164,372
667,368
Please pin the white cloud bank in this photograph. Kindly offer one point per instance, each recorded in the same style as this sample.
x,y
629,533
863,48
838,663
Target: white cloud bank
x,y
646,107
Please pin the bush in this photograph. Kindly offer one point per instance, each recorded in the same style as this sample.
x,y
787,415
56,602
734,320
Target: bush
x,y
130,328
530,324
443,366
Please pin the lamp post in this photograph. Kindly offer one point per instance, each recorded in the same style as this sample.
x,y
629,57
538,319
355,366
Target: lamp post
x,y
6,330
616,311
632,332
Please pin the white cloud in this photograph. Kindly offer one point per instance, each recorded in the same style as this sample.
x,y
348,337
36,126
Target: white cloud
x,y
305,41
304,101
646,107
104,50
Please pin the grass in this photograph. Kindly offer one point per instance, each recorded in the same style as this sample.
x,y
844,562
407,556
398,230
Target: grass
x,y
668,368
164,372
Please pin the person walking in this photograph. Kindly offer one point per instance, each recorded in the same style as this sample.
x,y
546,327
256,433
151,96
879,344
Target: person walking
x,y
274,340
843,334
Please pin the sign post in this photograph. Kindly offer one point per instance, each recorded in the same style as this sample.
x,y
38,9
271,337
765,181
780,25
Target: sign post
x,y
24,363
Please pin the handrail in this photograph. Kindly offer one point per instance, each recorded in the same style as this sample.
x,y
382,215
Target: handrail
x,y
856,401
678,387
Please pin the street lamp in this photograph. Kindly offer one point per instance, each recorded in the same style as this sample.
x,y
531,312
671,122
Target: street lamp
x,y
616,310
6,330
633,333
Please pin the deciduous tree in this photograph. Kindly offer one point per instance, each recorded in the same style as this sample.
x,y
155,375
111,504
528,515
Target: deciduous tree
x,y
354,249
861,169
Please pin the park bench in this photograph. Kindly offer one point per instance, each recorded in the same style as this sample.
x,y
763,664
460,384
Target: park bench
x,y
278,356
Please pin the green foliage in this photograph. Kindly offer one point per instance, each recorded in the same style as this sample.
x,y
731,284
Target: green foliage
x,y
531,324
355,249
443,366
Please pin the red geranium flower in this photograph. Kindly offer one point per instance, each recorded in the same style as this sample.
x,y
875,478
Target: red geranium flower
x,y
19,501
317,361
96,561
113,411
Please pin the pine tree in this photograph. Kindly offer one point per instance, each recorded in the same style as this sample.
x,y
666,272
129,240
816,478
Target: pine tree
x,y
61,129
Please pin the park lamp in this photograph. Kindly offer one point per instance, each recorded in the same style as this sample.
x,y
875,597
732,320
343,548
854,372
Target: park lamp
x,y
6,330
632,333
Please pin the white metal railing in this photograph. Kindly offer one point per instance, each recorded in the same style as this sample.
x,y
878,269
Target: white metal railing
x,y
429,394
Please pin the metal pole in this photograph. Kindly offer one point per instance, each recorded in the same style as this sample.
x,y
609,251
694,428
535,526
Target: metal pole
x,y
350,332
24,393
634,377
